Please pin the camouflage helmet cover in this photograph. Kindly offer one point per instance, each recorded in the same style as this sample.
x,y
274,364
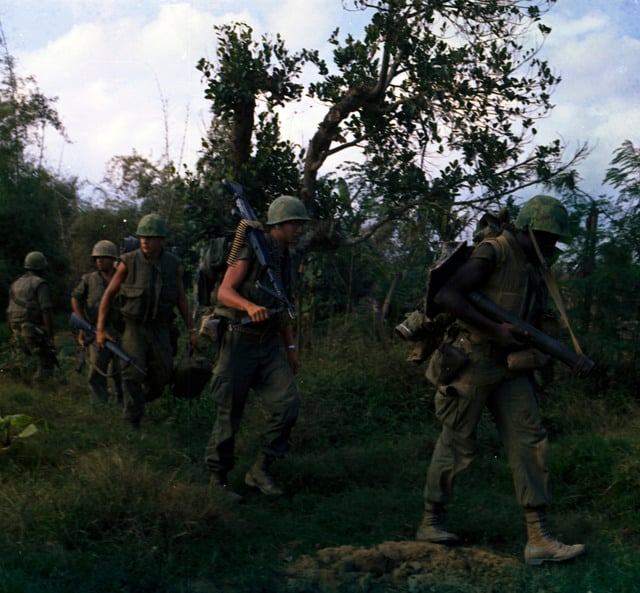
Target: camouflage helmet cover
x,y
544,213
151,225
285,208
35,260
105,248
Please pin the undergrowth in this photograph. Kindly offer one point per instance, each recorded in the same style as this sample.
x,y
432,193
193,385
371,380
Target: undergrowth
x,y
88,505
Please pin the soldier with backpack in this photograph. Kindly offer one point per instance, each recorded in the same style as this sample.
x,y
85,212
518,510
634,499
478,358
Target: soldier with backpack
x,y
30,318
259,354
486,363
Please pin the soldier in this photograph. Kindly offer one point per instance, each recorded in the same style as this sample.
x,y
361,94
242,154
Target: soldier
x,y
149,280
85,300
259,355
507,270
29,316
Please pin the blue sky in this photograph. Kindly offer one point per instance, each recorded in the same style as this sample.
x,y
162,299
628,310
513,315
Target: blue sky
x,y
118,67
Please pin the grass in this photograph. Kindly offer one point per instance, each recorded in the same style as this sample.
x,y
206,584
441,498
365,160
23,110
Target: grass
x,y
89,506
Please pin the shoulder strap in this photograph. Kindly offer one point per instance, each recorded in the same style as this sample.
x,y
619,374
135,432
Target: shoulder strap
x,y
554,291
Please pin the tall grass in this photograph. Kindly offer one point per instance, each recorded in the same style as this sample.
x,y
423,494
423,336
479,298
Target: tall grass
x,y
91,506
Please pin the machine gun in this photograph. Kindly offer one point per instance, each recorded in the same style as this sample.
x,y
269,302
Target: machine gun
x,y
77,323
244,211
581,365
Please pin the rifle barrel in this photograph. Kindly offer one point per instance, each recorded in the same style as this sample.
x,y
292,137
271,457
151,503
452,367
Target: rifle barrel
x,y
577,362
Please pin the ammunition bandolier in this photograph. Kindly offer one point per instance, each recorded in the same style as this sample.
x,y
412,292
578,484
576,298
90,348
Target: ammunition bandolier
x,y
251,291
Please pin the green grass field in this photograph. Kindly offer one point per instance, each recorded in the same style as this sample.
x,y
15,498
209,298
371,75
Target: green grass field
x,y
87,505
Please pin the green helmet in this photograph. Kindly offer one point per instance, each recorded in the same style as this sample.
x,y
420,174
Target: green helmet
x,y
286,208
544,213
105,248
35,260
151,225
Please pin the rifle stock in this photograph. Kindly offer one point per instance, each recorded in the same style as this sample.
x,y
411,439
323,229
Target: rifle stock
x,y
581,365
258,243
78,323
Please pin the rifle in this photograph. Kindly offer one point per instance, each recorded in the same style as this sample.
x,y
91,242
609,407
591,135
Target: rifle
x,y
50,347
581,365
77,323
244,211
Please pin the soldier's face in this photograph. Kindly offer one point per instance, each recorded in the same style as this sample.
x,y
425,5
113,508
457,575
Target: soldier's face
x,y
104,264
151,246
292,230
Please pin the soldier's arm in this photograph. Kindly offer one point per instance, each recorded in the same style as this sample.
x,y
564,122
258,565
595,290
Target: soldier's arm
x,y
105,304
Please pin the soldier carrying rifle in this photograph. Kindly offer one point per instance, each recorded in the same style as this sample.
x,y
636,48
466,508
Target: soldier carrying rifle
x,y
85,300
487,362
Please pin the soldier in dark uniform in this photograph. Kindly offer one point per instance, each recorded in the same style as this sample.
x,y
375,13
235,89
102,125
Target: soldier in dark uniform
x,y
30,318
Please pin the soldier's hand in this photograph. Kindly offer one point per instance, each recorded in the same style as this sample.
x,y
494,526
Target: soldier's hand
x,y
509,335
257,313
102,336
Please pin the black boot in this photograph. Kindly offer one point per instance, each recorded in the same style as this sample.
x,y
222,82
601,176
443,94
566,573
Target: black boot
x,y
259,476
220,483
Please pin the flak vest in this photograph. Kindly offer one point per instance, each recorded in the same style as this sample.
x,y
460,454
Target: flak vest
x,y
96,286
250,290
515,284
23,300
150,291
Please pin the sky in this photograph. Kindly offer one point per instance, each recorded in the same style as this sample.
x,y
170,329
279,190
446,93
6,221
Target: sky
x,y
124,73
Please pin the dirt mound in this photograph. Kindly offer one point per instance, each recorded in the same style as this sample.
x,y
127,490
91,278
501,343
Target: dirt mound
x,y
400,566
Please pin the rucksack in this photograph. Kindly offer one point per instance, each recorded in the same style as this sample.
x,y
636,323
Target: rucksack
x,y
428,323
211,269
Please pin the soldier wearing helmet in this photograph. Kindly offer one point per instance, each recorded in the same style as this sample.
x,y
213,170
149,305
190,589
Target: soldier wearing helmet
x,y
85,300
259,355
506,269
30,318
148,282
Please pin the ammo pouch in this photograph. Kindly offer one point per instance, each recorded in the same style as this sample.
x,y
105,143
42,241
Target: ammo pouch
x,y
133,302
445,364
211,327
530,359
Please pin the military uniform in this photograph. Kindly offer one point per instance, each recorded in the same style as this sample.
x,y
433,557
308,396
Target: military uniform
x,y
29,298
252,357
147,296
473,369
485,380
88,292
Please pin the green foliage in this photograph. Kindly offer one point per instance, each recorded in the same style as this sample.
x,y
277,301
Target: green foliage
x,y
88,506
17,426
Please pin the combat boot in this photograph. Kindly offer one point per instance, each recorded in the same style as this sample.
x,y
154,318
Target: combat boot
x,y
432,527
259,476
541,546
220,483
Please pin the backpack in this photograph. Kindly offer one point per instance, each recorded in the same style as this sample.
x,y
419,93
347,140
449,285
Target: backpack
x,y
428,323
211,269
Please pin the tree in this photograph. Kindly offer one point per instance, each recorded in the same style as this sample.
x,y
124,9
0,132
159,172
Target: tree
x,y
35,205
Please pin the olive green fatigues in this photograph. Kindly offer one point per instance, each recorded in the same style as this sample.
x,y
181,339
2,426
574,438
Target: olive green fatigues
x,y
146,298
88,292
510,396
29,296
253,357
